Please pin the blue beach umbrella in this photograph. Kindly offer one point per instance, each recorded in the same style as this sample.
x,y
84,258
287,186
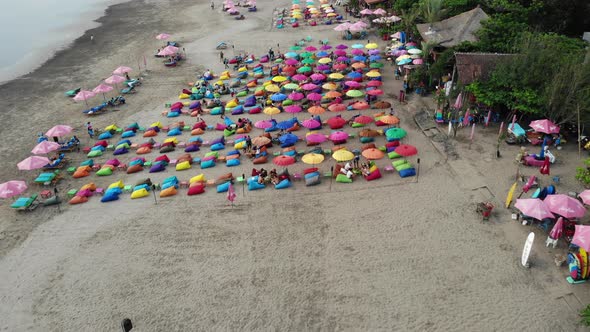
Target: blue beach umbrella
x,y
359,58
322,54
354,75
290,55
278,97
404,61
358,46
288,139
284,125
374,57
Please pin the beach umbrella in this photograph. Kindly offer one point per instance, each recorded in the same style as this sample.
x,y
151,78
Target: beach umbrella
x,y
291,86
375,92
325,47
585,196
314,96
544,126
338,66
289,70
336,121
358,26
323,67
168,51
371,46
291,62
336,76
309,86
102,88
368,133
288,139
366,11
315,138
357,51
122,70
374,84
260,141
360,105
358,65
395,133
12,188
380,12
311,123
33,162
374,52
272,88
565,206
374,58
557,229
271,111
363,119
322,54
308,61
312,158
59,131
329,86
115,79
263,124
337,107
284,125
342,27
299,77
532,207
381,104
311,48
373,154
582,237
352,84
373,73
324,60
304,69
343,155
414,51
338,136
359,58
340,53
406,150
295,48
283,161
84,95
357,46
341,47
279,79
162,36
404,61
354,75
316,110
375,65
354,93
45,147
306,54
333,94
342,58
293,109
418,61
290,55
296,96
278,97
390,120
318,77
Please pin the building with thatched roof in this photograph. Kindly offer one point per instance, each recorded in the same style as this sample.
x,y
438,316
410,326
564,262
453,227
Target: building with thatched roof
x,y
477,66
454,30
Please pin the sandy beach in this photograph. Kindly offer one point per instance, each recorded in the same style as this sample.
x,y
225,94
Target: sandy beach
x,y
394,254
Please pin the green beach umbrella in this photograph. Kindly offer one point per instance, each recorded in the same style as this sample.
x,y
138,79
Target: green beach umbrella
x,y
306,54
354,93
308,61
305,69
396,133
376,65
279,60
291,86
290,55
295,48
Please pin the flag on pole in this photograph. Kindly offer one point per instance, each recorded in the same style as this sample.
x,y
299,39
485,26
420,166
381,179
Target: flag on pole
x,y
231,193
501,128
488,118
466,118
513,122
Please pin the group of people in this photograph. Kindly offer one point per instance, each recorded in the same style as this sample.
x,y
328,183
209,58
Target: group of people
x,y
356,167
265,176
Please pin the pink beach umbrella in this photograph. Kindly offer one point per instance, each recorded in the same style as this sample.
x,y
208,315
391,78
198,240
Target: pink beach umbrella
x,y
293,109
325,47
311,123
121,70
84,95
45,147
352,84
374,84
263,124
375,92
299,77
337,107
314,96
162,36
585,196
102,88
295,96
380,12
357,51
341,47
342,59
366,12
309,86
534,208
342,27
339,66
59,131
565,206
318,77
168,51
557,229
115,79
311,48
582,237
339,136
33,162
291,62
12,188
340,52
315,138
544,126
418,61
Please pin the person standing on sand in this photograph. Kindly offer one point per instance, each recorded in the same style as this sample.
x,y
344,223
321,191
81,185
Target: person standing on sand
x,y
90,129
212,5
221,56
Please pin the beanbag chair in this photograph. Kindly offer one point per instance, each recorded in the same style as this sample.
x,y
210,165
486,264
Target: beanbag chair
x,y
343,178
80,173
172,114
283,184
139,193
232,162
157,168
240,145
312,179
170,191
144,150
216,111
87,162
397,163
224,187
407,172
136,162
174,132
192,148
118,184
392,144
90,186
367,139
393,155
105,135
129,133
254,185
200,125
183,166
196,190
109,197
167,148
54,200
120,151
142,186
217,147
150,133
163,158
310,170
237,110
98,148
403,167
197,179
185,157
208,163
376,174
259,160
255,110
94,153
115,191
78,200
104,171
197,131
220,126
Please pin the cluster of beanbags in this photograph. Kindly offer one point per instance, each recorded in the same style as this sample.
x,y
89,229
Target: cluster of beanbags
x,y
122,147
140,191
160,164
105,170
169,186
253,183
81,172
404,168
218,144
113,191
184,162
233,158
151,131
374,173
167,146
209,160
176,108
198,128
97,149
195,108
196,188
144,148
390,146
311,176
135,165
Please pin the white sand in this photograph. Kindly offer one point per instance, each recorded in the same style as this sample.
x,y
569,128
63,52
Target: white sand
x,y
387,255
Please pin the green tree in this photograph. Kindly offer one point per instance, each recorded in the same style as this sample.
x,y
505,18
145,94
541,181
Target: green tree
x,y
432,10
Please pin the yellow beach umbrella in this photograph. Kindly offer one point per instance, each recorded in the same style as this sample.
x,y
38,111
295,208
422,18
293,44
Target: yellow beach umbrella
x,y
312,158
343,155
371,46
373,74
331,14
329,86
279,79
401,57
336,76
271,111
272,88
324,60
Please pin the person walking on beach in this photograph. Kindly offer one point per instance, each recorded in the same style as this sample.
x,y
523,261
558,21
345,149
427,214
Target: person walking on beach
x,y
221,56
90,129
226,63
212,5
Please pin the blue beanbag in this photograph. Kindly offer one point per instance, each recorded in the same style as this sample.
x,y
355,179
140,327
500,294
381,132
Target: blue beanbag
x,y
136,162
283,184
218,140
123,141
232,162
291,153
167,185
216,111
407,172
174,132
223,187
172,178
254,185
120,151
217,146
208,163
87,162
232,152
109,197
237,110
113,191
172,114
129,133
157,168
105,135
195,139
391,139
142,186
273,128
192,148
98,148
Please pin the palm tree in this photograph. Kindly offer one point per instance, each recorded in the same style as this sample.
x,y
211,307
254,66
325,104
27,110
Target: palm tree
x,y
432,10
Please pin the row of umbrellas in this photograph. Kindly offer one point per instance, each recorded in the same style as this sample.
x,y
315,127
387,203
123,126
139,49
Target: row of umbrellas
x,y
84,95
44,147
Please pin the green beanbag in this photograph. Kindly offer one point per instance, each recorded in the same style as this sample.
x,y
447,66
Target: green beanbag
x,y
104,171
183,166
403,166
397,163
393,155
287,102
94,153
357,125
343,179
367,139
216,111
212,153
242,93
121,146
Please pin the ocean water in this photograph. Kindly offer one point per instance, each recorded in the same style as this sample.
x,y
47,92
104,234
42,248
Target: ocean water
x,y
31,31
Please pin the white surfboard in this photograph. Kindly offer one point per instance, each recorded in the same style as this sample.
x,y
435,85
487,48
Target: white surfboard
x,y
528,245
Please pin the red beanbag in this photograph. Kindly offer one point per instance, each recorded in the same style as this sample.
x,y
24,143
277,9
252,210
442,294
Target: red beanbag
x,y
376,174
310,170
392,144
196,190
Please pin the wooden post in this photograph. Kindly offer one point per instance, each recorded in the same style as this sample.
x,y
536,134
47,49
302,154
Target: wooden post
x,y
579,135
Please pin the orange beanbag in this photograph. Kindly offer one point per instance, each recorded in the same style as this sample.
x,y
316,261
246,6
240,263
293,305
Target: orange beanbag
x,y
144,150
259,160
225,177
134,169
150,133
197,131
78,200
170,191
90,186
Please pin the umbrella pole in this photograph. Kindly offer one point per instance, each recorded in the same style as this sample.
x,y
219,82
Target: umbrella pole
x,y
244,185
331,171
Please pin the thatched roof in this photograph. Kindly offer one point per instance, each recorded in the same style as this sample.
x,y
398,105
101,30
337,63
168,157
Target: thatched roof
x,y
370,2
477,66
454,30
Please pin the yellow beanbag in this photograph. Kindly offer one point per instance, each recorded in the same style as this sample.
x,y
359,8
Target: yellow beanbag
x,y
90,186
198,178
231,104
156,124
224,77
171,139
240,145
183,166
111,127
183,96
170,191
118,184
139,193
373,168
